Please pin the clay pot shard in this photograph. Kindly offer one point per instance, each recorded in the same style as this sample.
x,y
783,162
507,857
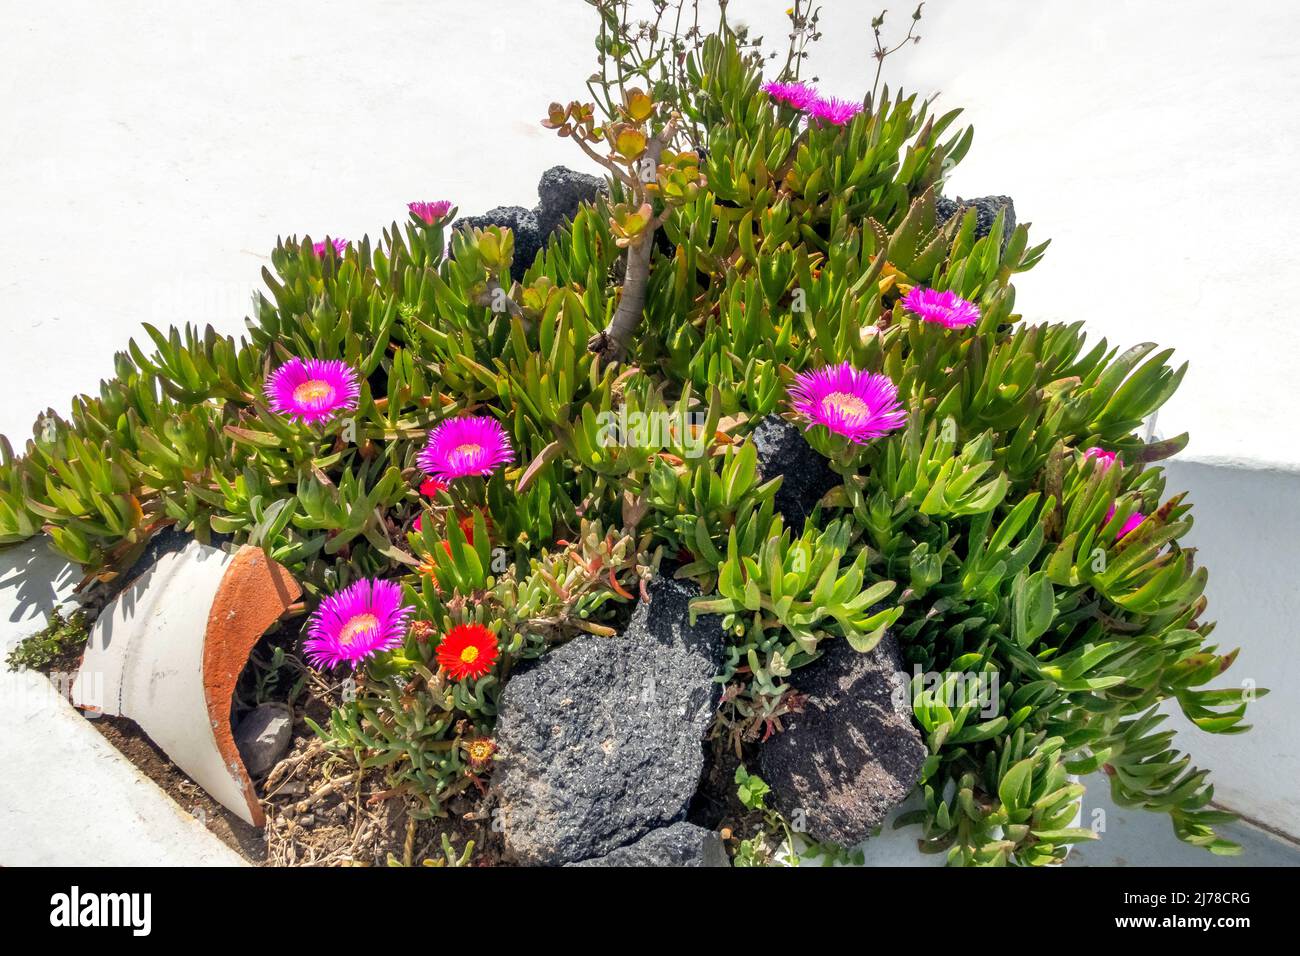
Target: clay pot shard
x,y
169,649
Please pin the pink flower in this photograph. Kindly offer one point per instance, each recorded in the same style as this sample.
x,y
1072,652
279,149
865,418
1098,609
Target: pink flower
x,y
833,111
340,247
856,404
356,623
1135,519
469,445
943,308
429,212
1103,458
798,95
314,390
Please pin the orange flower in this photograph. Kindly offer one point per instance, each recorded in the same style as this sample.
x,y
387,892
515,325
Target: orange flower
x,y
429,569
468,650
480,751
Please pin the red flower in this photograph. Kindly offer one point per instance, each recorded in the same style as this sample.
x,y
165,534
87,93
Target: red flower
x,y
468,650
431,486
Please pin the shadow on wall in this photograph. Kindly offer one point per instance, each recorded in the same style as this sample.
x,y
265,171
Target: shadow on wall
x,y
1247,533
40,577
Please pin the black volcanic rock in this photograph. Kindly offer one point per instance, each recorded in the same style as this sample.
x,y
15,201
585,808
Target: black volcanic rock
x,y
682,844
601,740
986,211
522,222
561,191
852,754
782,450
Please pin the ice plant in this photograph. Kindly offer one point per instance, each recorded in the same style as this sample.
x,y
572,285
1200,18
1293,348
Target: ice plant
x,y
469,445
942,308
356,623
313,390
857,404
951,544
1102,457
340,247
467,651
467,529
429,212
480,751
832,111
798,95
1135,519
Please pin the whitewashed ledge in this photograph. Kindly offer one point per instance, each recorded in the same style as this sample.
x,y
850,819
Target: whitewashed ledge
x,y
67,796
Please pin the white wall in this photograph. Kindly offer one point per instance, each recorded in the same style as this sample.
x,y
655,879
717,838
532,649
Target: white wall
x,y
154,151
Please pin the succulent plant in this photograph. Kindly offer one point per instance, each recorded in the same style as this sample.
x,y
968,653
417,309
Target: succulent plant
x,y
743,244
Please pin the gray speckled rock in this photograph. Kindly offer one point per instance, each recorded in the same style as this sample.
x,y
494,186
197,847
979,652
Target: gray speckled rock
x,y
522,222
600,741
682,844
782,450
986,210
851,756
263,736
560,192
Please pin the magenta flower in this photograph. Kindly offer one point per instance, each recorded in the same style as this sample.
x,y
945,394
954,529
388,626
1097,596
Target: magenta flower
x,y
856,404
1103,458
314,390
340,247
799,95
943,308
470,445
429,212
833,111
356,623
1135,519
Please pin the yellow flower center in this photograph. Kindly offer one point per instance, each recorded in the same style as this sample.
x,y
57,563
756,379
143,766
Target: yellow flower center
x,y
469,655
480,750
468,449
313,391
848,405
357,625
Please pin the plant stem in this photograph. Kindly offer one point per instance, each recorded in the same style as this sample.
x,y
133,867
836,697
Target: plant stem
x,y
611,343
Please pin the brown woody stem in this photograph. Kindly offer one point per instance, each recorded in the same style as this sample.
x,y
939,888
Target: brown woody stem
x,y
611,343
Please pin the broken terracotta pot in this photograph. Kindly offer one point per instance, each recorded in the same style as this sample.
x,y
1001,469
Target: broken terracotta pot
x,y
168,650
